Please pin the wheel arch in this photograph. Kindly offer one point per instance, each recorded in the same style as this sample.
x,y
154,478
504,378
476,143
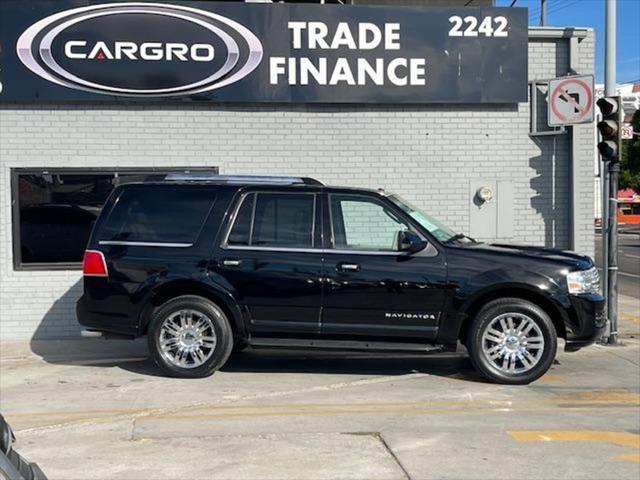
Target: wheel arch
x,y
542,300
179,287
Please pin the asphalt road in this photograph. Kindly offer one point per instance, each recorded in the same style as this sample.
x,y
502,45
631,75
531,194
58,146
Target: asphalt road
x,y
628,262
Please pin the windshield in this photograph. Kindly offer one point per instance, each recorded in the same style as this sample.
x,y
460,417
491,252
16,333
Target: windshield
x,y
435,228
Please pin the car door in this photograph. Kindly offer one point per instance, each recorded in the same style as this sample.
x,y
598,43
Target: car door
x,y
372,289
271,260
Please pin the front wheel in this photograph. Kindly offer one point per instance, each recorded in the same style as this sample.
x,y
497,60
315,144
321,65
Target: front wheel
x,y
512,341
190,337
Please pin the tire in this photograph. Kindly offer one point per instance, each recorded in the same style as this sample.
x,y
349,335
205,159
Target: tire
x,y
197,336
503,358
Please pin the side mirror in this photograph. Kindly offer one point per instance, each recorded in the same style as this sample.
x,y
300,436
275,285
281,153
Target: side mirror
x,y
410,242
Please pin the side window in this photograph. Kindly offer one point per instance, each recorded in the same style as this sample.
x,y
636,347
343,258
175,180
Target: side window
x,y
283,220
158,214
362,224
280,220
241,231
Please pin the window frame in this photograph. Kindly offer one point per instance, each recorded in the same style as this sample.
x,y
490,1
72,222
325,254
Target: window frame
x,y
15,173
232,221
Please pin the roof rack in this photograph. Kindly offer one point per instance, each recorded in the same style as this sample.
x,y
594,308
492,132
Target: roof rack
x,y
251,179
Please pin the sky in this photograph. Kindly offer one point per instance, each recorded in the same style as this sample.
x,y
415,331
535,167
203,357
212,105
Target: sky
x,y
590,13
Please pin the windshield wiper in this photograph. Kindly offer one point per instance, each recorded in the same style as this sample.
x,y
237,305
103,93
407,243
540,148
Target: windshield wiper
x,y
460,236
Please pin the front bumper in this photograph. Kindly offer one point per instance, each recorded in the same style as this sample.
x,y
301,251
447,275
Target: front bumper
x,y
586,322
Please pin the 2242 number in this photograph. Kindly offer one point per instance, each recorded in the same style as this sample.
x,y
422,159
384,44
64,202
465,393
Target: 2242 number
x,y
471,27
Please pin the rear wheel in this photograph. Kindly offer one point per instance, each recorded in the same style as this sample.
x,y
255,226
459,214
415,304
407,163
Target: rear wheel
x,y
512,341
190,337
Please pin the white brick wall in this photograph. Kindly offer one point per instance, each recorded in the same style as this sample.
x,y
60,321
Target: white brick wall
x,y
427,153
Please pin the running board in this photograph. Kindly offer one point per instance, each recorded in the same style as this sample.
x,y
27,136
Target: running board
x,y
295,343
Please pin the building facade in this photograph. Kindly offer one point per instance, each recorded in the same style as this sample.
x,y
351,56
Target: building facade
x,y
435,155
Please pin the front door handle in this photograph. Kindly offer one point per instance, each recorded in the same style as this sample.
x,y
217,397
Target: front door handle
x,y
348,267
231,263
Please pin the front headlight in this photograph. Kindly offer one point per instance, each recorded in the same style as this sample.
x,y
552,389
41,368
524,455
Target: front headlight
x,y
584,281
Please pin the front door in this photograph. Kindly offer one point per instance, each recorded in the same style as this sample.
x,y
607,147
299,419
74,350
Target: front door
x,y
272,262
372,289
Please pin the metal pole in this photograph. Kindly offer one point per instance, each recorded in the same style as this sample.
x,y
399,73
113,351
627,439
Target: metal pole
x,y
543,13
612,304
604,224
613,170
610,49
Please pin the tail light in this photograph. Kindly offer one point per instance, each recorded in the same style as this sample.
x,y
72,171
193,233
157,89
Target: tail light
x,y
94,264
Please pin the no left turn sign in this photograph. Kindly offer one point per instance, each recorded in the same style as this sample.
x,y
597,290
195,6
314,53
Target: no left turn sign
x,y
570,100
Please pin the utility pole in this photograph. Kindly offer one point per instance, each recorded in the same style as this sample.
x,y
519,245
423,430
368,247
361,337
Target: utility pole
x,y
543,13
613,170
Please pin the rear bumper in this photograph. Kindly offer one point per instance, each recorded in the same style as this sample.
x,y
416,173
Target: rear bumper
x,y
94,318
586,322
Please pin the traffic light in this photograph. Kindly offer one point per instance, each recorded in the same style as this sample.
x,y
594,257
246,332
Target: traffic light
x,y
609,128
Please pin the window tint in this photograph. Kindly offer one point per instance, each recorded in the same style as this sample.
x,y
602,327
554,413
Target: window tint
x,y
284,220
363,224
56,214
158,214
54,210
241,230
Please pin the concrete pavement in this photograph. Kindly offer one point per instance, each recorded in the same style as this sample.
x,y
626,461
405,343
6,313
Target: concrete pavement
x,y
82,414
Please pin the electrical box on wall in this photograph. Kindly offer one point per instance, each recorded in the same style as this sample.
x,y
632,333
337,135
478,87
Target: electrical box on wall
x,y
491,209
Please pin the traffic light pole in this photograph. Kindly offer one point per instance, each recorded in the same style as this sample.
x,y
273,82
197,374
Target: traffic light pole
x,y
604,226
610,255
612,304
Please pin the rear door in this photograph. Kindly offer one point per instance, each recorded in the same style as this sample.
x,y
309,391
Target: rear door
x,y
271,259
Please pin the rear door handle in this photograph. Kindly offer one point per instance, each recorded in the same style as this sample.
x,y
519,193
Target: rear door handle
x,y
348,267
231,263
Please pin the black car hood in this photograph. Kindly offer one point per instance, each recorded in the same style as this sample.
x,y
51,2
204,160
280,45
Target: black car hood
x,y
570,259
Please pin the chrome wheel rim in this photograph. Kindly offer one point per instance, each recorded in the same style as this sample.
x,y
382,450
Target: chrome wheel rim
x,y
187,338
513,343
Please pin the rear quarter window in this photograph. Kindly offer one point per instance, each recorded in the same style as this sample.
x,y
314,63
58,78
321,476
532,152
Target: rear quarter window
x,y
161,215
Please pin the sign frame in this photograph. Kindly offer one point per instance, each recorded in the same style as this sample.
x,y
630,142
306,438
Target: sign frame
x,y
559,98
70,51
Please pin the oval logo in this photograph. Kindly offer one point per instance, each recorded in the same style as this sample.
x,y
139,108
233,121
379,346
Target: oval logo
x,y
140,50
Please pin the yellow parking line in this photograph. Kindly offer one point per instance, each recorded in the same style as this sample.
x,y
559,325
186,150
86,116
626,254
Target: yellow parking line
x,y
399,411
623,439
319,412
550,378
618,397
629,317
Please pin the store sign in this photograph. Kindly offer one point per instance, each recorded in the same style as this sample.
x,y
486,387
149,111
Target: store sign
x,y
261,52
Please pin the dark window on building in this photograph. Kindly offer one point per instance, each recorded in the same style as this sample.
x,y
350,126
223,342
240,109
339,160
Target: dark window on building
x,y
283,220
54,211
158,215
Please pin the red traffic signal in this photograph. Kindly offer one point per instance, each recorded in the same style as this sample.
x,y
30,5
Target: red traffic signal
x,y
607,128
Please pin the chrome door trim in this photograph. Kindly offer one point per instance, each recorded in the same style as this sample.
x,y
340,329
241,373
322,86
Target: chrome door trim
x,y
312,250
145,244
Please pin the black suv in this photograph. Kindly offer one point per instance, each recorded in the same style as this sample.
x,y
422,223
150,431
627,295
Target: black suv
x,y
206,265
